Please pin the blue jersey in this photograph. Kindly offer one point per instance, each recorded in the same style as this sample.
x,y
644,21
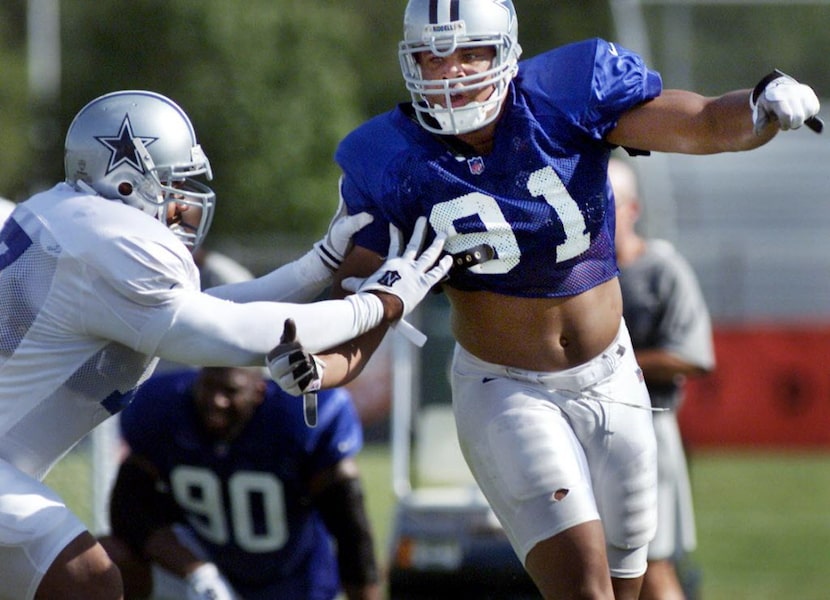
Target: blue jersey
x,y
248,501
539,199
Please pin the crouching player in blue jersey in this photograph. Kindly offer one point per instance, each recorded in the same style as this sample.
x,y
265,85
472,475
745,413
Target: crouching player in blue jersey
x,y
509,160
226,488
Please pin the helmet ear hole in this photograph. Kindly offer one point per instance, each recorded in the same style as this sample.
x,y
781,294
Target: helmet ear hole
x,y
125,188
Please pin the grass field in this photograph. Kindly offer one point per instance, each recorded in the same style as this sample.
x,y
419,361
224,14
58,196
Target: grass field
x,y
763,525
763,518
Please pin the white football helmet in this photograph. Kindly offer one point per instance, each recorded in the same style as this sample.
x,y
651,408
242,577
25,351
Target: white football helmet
x,y
443,26
140,148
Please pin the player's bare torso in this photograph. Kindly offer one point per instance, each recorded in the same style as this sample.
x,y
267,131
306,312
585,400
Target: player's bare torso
x,y
539,334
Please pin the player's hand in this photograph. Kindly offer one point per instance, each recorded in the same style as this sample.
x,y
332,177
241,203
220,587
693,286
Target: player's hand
x,y
409,276
206,583
779,97
338,239
295,370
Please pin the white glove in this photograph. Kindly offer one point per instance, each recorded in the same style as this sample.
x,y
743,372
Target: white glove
x,y
295,370
779,97
338,239
408,276
206,583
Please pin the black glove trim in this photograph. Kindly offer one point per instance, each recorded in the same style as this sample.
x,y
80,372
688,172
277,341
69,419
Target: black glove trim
x,y
814,123
762,85
329,259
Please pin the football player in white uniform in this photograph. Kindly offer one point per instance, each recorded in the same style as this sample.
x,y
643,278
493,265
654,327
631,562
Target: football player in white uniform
x,y
509,158
97,281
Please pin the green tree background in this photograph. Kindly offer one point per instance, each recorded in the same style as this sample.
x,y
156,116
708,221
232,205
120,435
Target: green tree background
x,y
273,85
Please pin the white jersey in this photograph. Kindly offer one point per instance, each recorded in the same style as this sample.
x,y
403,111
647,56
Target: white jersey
x,y
76,273
91,290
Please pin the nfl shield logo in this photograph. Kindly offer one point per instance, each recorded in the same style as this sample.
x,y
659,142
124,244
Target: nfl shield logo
x,y
389,278
476,165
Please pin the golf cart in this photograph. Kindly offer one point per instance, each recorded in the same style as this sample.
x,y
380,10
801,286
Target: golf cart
x,y
446,541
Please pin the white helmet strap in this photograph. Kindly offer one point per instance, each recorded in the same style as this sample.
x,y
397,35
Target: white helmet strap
x,y
144,155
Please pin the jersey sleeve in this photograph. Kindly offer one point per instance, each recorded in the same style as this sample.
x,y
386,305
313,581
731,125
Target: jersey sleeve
x,y
591,83
142,290
375,235
685,327
146,272
132,286
366,156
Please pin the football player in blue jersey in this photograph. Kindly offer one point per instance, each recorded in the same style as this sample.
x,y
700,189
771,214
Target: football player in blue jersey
x,y
226,488
508,159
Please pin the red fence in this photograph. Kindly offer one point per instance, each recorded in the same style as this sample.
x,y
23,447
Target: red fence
x,y
771,387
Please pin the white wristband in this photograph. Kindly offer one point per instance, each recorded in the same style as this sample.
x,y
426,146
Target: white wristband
x,y
310,268
207,583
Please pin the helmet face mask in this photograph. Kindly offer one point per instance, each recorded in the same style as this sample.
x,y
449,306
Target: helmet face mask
x,y
140,148
441,27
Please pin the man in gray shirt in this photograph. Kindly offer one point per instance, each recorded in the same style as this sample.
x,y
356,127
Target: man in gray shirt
x,y
671,333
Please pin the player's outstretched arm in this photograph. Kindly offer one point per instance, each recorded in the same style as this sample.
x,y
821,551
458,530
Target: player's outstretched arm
x,y
686,122
305,278
199,329
780,99
401,282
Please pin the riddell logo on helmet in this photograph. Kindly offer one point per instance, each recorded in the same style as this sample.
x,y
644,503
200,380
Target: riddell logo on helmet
x,y
454,27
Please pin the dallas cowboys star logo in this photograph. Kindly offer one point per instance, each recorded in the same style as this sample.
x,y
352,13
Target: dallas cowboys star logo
x,y
122,148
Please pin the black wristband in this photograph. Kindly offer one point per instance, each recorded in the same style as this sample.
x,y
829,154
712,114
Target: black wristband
x,y
761,85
